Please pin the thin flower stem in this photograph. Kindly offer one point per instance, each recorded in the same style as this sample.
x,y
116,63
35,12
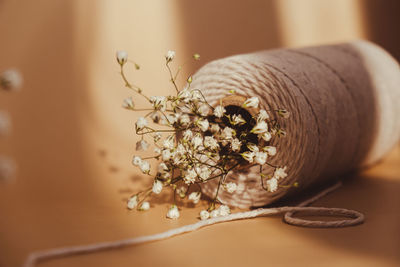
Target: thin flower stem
x,y
172,77
132,86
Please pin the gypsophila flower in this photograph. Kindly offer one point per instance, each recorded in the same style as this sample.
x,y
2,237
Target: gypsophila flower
x,y
170,55
204,215
204,109
136,160
203,172
145,206
173,212
144,167
132,202
190,176
197,141
166,155
214,213
155,117
11,80
252,147
272,185
184,120
142,145
195,197
230,187
271,150
238,120
122,57
236,145
224,210
181,191
219,111
141,123
159,102
266,136
210,143
203,124
260,157
261,127
214,128
128,103
249,156
157,187
280,173
251,102
169,142
262,115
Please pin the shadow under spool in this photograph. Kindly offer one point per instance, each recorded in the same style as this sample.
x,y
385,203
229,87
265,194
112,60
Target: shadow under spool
x,y
344,104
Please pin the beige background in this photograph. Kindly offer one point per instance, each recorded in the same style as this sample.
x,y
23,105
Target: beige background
x,y
73,143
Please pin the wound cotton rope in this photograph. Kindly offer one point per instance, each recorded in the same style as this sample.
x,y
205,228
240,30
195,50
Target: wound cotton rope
x,y
355,218
344,105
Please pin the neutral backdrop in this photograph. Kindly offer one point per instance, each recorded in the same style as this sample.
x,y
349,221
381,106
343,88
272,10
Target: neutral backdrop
x,y
73,142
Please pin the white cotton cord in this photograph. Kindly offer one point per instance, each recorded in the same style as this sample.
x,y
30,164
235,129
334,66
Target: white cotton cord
x,y
355,218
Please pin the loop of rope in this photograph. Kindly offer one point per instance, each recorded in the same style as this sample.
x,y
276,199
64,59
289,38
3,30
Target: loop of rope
x,y
356,218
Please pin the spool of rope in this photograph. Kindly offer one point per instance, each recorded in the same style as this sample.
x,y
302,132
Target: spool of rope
x,y
345,110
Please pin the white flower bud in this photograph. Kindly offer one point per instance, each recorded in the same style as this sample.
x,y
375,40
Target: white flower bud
x,y
168,142
224,210
136,160
141,123
251,102
187,135
211,143
132,202
204,109
271,150
214,213
190,176
262,115
195,197
238,120
230,187
142,145
219,111
128,103
11,79
280,173
157,187
166,155
249,156
272,185
145,206
204,215
236,145
184,120
260,157
144,167
170,55
203,124
173,212
261,127
266,136
122,57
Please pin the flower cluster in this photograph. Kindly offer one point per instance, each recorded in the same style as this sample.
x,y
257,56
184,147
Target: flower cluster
x,y
195,142
10,80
